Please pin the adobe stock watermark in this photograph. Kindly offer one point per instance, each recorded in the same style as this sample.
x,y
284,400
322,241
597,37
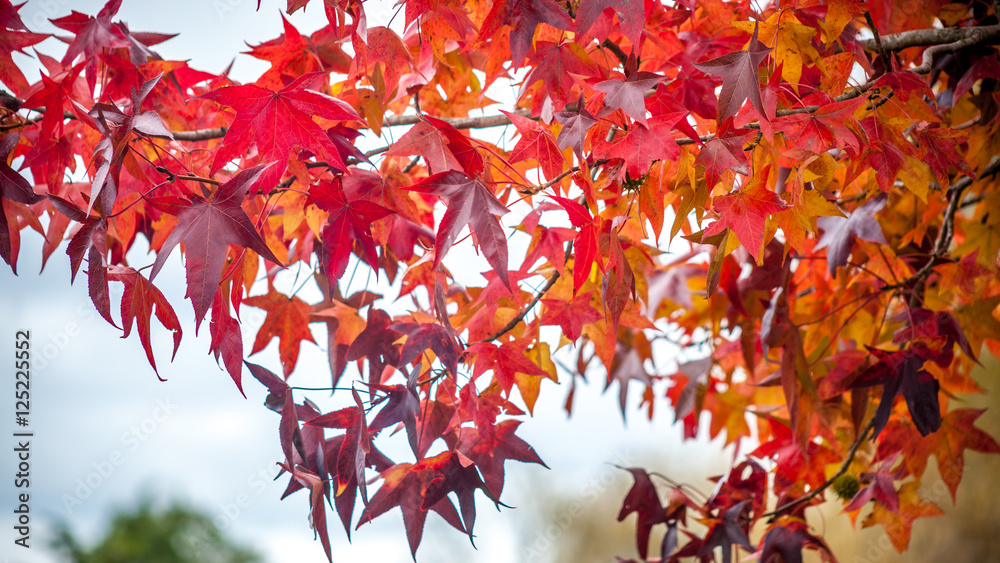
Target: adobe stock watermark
x,y
548,535
131,440
47,347
938,493
229,512
44,11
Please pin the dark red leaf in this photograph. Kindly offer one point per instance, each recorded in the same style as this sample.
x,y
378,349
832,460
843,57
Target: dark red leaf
x,y
207,227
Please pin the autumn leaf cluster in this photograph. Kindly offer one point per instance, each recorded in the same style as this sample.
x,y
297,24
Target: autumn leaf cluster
x,y
777,221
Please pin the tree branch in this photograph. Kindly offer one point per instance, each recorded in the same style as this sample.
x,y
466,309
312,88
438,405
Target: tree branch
x,y
930,37
200,134
524,312
787,507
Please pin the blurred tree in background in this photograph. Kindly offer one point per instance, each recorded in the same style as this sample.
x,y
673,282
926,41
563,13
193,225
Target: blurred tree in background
x,y
174,534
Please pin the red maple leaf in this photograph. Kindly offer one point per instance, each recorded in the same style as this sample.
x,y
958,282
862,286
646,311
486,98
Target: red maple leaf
x,y
13,187
880,488
403,486
287,320
822,129
470,202
428,141
506,361
491,446
207,227
276,122
138,301
957,434
536,142
618,283
91,36
642,499
428,336
382,46
586,248
724,152
740,82
402,406
574,131
523,16
628,95
645,144
293,54
556,64
901,372
745,212
53,94
631,14
939,148
570,315
227,339
786,542
376,342
349,221
9,17
11,41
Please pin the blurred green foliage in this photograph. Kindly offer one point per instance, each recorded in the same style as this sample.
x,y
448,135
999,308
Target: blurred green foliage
x,y
144,533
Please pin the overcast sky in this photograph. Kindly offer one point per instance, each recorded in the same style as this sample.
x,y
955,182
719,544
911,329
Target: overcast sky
x,y
108,433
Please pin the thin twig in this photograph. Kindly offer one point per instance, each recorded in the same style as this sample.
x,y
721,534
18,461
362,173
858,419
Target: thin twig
x,y
524,312
787,507
883,54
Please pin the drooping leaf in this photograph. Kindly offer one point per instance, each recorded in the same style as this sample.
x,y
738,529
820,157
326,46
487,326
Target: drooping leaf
x,y
470,202
139,299
207,227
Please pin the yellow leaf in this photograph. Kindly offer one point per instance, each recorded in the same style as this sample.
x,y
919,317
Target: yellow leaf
x,y
897,525
791,40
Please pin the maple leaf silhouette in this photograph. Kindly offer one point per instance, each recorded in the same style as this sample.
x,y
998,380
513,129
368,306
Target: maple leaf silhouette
x,y
839,232
740,83
470,202
207,227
